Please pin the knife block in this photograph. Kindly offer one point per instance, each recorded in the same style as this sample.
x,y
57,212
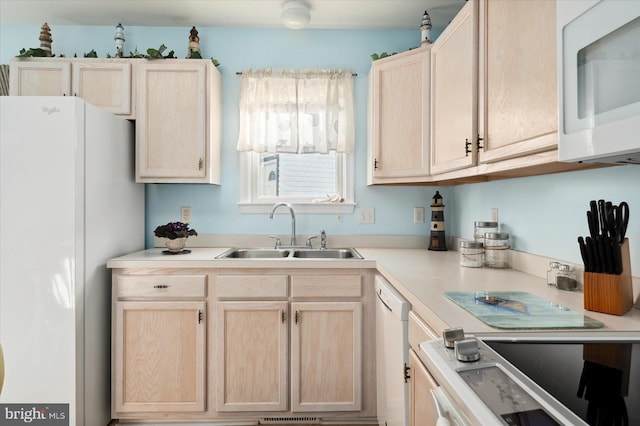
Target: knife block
x,y
608,293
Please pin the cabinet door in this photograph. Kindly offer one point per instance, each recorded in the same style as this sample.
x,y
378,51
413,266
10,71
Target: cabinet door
x,y
104,84
422,411
171,122
40,78
518,82
399,121
159,356
326,356
454,106
251,367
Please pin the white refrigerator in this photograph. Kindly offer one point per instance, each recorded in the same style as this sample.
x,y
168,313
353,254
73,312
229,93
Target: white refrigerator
x,y
68,202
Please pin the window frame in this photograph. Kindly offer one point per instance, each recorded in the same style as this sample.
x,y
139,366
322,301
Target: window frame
x,y
249,203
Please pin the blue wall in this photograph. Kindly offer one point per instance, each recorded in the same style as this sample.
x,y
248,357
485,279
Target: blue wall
x,y
544,214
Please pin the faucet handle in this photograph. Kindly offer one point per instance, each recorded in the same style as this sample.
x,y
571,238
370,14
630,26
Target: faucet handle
x,y
278,243
309,240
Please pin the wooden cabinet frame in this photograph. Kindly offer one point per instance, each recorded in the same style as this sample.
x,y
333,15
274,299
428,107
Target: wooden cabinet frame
x,y
159,356
252,345
105,83
399,116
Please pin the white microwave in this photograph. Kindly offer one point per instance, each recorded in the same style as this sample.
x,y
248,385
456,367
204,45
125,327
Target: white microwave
x,y
599,81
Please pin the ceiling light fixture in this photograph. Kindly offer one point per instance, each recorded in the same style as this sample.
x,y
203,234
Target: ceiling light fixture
x,y
295,14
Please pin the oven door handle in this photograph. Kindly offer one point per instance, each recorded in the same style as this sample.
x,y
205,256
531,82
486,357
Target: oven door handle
x,y
446,410
442,420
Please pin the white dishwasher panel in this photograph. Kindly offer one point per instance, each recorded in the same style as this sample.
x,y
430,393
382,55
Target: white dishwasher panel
x,y
392,353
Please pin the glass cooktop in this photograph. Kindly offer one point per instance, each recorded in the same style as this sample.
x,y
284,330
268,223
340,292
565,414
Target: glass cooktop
x,y
599,382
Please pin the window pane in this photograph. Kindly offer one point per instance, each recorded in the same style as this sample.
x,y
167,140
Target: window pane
x,y
297,175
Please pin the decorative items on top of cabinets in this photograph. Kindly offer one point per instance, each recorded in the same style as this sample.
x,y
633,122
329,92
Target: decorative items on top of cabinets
x,y
454,106
518,106
178,121
45,39
425,29
398,150
119,39
106,83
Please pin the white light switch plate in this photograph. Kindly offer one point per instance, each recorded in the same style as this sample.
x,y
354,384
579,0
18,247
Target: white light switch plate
x,y
185,214
494,214
367,215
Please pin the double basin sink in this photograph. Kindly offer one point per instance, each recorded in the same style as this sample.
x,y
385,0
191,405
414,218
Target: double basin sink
x,y
288,253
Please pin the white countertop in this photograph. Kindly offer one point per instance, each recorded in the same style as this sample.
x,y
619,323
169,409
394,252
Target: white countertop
x,y
422,276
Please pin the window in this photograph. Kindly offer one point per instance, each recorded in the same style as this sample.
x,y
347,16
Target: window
x,y
296,140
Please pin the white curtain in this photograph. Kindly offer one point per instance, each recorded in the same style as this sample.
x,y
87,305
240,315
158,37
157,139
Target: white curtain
x,y
296,111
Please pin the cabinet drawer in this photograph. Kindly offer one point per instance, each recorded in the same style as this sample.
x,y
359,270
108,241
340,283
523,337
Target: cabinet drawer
x,y
161,286
326,286
252,286
419,331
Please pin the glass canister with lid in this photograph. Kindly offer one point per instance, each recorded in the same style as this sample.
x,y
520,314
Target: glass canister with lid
x,y
480,228
496,249
552,273
566,278
471,254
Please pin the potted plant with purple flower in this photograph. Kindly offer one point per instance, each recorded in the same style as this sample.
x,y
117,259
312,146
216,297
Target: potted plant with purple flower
x,y
176,234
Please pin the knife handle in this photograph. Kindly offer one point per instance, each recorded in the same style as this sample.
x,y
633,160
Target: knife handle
x,y
583,253
602,253
592,254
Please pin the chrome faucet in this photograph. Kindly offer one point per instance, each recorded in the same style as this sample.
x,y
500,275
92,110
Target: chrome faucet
x,y
293,220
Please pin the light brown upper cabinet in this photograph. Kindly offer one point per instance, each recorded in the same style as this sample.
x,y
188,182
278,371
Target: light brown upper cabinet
x,y
105,83
518,112
178,121
494,93
454,105
399,117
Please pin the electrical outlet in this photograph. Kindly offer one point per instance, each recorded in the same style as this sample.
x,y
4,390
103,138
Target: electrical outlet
x,y
494,214
367,215
418,215
185,214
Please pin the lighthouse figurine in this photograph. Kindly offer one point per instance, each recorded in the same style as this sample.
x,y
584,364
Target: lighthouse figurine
x,y
425,29
119,38
437,240
45,39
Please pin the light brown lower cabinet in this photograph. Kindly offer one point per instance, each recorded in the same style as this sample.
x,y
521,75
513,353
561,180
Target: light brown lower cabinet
x,y
252,361
255,363
242,346
160,356
422,411
326,356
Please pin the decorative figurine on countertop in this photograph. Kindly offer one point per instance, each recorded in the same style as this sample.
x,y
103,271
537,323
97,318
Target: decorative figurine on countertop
x,y
45,39
194,45
119,38
437,240
425,29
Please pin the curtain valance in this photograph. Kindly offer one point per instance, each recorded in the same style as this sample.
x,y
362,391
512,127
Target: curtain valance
x,y
296,111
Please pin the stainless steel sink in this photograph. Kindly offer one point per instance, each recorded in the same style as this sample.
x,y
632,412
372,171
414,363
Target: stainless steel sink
x,y
254,253
294,253
330,253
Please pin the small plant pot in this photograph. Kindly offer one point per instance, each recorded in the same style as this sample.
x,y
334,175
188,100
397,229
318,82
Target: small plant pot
x,y
176,245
